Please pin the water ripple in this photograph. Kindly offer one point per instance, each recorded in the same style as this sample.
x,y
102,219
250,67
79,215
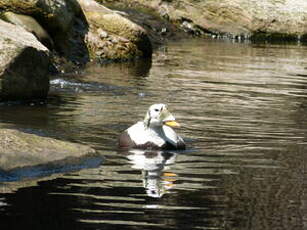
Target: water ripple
x,y
243,113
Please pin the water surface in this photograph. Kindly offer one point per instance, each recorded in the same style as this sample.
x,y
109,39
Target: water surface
x,y
242,108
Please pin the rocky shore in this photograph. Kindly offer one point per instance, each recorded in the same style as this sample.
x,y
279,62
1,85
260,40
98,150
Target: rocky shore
x,y
58,34
39,35
267,20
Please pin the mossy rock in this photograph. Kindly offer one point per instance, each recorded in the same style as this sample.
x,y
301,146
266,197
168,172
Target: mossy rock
x,y
125,39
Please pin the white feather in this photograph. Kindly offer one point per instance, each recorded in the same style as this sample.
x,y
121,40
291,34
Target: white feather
x,y
141,135
171,135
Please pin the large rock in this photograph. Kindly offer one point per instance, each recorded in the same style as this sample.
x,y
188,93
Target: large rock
x,y
23,150
57,15
24,64
111,35
30,25
270,18
81,30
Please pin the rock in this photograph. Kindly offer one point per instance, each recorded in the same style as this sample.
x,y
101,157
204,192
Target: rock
x,y
21,150
56,15
131,39
236,18
80,29
102,34
158,28
24,64
30,25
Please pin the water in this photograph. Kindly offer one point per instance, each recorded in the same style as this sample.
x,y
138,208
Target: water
x,y
242,108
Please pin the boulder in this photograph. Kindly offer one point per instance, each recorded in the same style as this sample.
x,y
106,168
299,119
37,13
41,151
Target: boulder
x,y
24,64
81,30
19,150
31,25
56,15
236,18
113,36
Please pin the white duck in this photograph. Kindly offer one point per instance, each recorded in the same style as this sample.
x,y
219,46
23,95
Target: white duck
x,y
154,132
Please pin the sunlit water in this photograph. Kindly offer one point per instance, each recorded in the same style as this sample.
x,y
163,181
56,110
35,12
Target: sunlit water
x,y
243,113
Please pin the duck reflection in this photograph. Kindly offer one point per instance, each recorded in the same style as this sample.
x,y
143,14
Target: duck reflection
x,y
157,180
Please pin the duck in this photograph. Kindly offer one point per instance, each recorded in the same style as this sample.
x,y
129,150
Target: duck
x,y
155,132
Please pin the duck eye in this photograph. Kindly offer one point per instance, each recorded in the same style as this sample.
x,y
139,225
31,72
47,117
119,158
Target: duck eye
x,y
157,110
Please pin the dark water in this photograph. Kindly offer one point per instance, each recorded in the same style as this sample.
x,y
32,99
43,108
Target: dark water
x,y
243,110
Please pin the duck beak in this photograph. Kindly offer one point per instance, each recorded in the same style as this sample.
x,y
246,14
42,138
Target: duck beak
x,y
170,121
173,124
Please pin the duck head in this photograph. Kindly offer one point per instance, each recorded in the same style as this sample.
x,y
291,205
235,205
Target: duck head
x,y
158,115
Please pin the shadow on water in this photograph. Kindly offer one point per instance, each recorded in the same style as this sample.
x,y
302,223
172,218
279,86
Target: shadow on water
x,y
55,167
243,112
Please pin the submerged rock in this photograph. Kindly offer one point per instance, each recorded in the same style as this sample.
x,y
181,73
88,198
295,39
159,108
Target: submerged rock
x,y
24,64
20,150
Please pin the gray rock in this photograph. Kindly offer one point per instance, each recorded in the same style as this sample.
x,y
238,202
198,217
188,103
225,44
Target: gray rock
x,y
24,64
